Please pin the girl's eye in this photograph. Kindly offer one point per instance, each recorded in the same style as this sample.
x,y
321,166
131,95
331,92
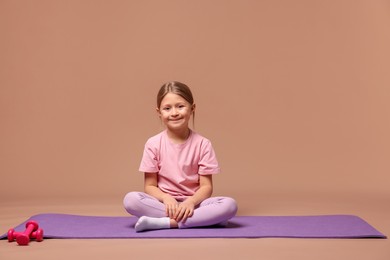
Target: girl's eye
x,y
166,108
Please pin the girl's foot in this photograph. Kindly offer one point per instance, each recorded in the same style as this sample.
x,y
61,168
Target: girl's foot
x,y
148,223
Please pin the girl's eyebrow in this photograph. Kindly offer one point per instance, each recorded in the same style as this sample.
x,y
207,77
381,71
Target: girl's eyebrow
x,y
175,104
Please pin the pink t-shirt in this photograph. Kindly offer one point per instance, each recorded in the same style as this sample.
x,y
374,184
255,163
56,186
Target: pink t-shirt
x,y
179,165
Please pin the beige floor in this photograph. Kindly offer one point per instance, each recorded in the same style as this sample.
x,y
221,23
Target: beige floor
x,y
374,209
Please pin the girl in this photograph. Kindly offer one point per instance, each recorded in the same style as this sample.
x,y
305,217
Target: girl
x,y
178,165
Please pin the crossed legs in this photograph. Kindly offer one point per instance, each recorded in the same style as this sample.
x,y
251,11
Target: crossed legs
x,y
152,213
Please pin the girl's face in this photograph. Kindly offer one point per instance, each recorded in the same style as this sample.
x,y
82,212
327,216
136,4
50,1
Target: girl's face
x,y
175,112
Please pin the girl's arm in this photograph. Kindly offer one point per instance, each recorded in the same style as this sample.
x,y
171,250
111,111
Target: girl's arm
x,y
151,188
186,208
205,190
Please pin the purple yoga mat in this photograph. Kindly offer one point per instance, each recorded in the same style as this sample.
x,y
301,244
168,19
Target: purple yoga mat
x,y
327,226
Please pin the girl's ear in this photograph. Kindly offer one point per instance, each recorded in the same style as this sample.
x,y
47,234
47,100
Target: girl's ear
x,y
193,107
158,111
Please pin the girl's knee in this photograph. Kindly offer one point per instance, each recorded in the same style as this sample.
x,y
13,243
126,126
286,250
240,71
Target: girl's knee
x,y
129,197
231,206
130,200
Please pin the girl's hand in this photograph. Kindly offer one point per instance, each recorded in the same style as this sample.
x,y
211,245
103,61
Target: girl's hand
x,y
171,205
185,210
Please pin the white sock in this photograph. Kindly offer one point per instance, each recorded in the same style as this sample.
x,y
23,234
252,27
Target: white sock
x,y
149,223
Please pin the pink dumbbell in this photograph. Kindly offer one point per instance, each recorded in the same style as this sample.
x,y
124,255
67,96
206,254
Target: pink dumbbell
x,y
37,235
32,231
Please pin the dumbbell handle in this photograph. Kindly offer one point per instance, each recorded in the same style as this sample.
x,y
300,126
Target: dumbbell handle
x,y
30,228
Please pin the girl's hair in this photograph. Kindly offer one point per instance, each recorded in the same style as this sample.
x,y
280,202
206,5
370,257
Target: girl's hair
x,y
177,88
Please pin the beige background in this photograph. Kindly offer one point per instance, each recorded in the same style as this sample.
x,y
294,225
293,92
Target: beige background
x,y
294,96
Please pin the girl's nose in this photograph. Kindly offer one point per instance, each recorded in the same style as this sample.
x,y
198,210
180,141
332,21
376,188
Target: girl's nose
x,y
174,112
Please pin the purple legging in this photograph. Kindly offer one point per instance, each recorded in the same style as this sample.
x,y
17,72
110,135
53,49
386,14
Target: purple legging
x,y
211,211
